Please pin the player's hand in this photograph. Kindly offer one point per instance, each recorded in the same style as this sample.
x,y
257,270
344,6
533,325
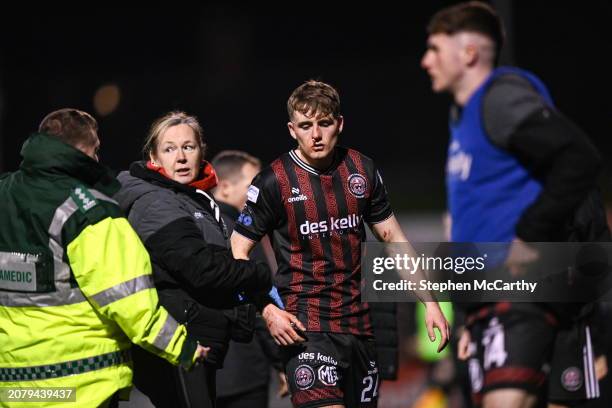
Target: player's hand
x,y
281,325
520,256
601,367
283,385
201,353
435,318
463,348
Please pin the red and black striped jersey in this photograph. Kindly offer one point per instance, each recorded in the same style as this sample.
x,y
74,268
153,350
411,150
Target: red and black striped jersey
x,y
316,222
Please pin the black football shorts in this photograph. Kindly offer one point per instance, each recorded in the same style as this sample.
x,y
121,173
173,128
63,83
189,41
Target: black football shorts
x,y
510,350
332,368
572,374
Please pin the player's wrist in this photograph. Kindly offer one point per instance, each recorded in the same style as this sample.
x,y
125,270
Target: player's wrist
x,y
268,310
431,305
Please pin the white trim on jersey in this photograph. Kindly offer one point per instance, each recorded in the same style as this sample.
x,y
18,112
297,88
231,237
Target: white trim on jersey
x,y
303,164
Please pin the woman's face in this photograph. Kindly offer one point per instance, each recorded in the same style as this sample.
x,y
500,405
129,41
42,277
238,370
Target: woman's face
x,y
179,153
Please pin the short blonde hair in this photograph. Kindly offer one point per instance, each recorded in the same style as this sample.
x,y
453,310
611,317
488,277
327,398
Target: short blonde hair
x,y
170,119
314,97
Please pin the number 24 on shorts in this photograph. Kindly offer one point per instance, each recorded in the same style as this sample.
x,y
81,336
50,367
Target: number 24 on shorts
x,y
370,390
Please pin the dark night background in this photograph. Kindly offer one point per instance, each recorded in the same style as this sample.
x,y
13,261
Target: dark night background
x,y
234,67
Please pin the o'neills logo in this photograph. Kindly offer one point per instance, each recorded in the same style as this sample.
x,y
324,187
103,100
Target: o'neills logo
x,y
296,196
333,224
301,197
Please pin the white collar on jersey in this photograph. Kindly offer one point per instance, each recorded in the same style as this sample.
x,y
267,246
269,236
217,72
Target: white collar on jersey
x,y
307,166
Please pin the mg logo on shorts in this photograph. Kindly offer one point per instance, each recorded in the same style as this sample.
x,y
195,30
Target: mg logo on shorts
x,y
328,375
304,377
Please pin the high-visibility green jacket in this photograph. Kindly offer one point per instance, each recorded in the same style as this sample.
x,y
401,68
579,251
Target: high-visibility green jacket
x,y
75,280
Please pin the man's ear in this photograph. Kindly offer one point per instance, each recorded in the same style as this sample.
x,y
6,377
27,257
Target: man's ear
x,y
223,187
470,54
340,120
291,127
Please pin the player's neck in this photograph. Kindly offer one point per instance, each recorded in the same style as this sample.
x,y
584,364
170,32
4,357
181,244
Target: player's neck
x,y
319,164
470,82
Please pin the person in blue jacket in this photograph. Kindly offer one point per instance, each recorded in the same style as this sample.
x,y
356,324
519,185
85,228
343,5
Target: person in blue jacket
x,y
517,172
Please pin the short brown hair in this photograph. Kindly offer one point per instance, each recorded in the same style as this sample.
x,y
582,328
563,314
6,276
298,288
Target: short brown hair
x,y
71,126
314,97
170,119
472,16
229,163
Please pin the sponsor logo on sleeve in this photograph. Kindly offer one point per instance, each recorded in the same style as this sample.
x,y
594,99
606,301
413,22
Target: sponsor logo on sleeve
x,y
252,194
245,220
